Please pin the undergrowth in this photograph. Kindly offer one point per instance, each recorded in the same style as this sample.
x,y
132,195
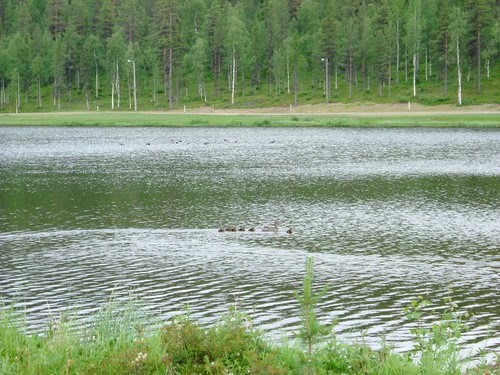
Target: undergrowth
x,y
120,342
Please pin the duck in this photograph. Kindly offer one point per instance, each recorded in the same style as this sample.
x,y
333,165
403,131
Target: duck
x,y
289,231
252,229
241,229
272,228
221,230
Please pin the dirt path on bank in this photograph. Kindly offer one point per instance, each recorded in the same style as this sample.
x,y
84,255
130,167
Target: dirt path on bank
x,y
398,109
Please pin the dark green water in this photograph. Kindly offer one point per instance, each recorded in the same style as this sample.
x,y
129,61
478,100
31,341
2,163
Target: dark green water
x,y
388,214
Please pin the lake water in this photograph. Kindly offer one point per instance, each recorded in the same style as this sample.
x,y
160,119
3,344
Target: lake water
x,y
387,214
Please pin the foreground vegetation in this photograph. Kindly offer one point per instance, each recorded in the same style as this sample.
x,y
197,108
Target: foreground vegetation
x,y
235,120
120,342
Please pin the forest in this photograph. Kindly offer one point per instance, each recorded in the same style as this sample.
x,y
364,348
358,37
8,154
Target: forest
x,y
82,54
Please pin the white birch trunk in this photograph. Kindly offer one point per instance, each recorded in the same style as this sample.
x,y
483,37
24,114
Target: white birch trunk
x,y
488,69
426,66
18,95
96,78
118,89
233,83
336,78
459,73
113,94
39,92
288,73
397,50
129,94
414,74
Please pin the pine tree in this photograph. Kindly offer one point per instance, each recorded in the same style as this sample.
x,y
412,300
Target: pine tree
x,y
167,25
480,19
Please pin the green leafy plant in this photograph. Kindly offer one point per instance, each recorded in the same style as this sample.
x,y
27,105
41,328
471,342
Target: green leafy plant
x,y
436,336
311,329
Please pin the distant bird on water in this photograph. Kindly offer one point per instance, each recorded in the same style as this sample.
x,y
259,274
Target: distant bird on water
x,y
289,231
272,228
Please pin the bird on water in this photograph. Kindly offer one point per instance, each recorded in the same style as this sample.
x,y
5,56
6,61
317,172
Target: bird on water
x,y
272,228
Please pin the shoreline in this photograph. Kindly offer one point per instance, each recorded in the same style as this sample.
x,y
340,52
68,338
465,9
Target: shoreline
x,y
318,115
334,109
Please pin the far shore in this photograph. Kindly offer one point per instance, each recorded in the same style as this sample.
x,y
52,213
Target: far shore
x,y
319,115
355,109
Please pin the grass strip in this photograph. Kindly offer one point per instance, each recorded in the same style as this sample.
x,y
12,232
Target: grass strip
x,y
462,120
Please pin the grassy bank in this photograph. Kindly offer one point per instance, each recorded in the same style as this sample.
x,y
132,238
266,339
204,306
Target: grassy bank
x,y
472,120
120,341
119,344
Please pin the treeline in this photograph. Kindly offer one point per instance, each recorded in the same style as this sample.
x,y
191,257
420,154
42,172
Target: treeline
x,y
210,48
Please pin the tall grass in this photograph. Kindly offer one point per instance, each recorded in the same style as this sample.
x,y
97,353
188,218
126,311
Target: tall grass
x,y
120,342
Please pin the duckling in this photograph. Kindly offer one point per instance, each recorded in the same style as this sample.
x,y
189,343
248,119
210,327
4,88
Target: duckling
x,y
272,228
221,230
289,231
241,229
252,229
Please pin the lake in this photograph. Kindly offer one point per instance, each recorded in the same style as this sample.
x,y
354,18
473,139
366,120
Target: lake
x,y
89,214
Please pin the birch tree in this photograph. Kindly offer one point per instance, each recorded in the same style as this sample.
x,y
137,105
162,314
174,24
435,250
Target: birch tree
x,y
199,53
236,38
458,30
414,36
116,50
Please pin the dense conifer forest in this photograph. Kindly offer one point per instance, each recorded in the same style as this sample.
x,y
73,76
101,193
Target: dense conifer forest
x,y
80,54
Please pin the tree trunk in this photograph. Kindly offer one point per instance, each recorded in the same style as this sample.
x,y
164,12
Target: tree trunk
x,y
295,85
18,94
288,73
459,73
426,65
2,95
397,50
96,78
113,93
390,71
233,81
446,64
165,72
406,64
129,94
170,77
350,73
118,89
478,60
414,74
336,77
39,92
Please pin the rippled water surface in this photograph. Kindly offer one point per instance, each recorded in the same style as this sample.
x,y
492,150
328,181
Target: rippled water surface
x,y
387,214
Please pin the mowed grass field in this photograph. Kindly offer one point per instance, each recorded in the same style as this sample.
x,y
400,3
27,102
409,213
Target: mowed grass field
x,y
354,119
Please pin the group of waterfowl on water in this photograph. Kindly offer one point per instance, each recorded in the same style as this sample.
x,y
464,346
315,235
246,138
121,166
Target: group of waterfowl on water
x,y
270,228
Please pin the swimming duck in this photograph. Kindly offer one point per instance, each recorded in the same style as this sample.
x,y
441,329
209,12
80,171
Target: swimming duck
x,y
252,229
289,231
272,228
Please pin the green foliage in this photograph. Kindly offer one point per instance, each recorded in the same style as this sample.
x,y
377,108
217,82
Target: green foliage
x,y
121,340
311,329
436,337
277,45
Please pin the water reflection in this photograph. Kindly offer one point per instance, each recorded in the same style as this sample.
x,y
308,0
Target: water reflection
x,y
388,214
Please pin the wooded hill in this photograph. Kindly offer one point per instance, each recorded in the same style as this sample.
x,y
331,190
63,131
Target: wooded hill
x,y
245,52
